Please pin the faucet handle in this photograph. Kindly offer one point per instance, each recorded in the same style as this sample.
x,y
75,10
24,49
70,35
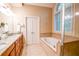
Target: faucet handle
x,y
0,38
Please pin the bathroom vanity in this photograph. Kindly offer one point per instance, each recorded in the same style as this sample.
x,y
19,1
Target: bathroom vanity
x,y
12,46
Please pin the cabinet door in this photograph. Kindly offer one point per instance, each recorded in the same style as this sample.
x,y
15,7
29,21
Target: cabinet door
x,y
12,53
21,44
18,52
17,45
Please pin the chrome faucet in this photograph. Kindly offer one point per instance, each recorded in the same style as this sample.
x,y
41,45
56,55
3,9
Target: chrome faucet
x,y
0,38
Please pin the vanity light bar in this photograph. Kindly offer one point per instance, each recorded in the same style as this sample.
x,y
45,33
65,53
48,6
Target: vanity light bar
x,y
5,10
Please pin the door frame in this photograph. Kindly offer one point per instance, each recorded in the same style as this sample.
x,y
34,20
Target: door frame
x,y
26,26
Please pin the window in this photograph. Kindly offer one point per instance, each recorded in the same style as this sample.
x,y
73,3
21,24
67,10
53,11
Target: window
x,y
68,18
57,20
58,7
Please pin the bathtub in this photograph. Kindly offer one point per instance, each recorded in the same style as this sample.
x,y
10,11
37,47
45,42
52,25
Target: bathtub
x,y
51,45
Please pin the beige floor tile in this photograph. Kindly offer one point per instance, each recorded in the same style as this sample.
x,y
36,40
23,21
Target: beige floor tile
x,y
33,50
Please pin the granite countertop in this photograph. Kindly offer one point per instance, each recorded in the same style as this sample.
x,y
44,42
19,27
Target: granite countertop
x,y
6,43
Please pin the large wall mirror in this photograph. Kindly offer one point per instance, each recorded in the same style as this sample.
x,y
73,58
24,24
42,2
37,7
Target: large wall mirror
x,y
10,20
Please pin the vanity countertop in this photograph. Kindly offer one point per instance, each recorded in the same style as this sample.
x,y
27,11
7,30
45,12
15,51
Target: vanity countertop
x,y
6,43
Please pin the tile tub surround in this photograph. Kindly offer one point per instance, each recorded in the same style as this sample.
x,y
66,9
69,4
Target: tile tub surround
x,y
45,34
67,38
8,42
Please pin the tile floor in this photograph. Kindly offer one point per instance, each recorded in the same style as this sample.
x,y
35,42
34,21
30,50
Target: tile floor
x,y
33,50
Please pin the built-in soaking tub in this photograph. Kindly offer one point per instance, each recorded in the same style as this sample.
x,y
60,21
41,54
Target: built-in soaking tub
x,y
51,45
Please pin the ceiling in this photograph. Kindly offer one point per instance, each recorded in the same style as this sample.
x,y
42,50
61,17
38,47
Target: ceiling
x,y
50,5
15,4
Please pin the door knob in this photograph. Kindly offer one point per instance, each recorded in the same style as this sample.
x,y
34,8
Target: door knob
x,y
32,32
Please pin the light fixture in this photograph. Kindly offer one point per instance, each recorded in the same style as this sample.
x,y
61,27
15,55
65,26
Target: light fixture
x,y
5,10
77,13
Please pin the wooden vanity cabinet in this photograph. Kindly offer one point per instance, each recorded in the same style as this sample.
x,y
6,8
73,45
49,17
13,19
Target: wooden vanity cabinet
x,y
19,45
16,48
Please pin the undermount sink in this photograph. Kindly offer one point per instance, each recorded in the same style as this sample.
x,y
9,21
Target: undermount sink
x,y
2,45
3,36
3,42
